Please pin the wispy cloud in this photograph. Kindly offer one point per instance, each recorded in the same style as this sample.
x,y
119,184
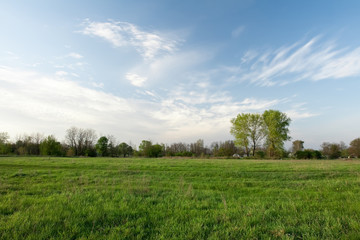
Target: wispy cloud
x,y
121,34
300,111
313,60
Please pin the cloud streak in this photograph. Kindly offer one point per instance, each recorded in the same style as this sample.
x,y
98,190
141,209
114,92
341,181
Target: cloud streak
x,y
311,60
123,34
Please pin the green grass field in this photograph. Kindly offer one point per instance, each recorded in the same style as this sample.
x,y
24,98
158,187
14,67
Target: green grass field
x,y
110,198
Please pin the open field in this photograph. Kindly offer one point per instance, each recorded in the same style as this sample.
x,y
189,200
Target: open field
x,y
109,198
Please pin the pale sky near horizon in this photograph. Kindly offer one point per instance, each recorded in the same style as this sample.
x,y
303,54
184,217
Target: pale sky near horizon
x,y
171,71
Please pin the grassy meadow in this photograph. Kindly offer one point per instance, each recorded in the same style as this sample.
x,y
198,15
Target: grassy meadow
x,y
133,198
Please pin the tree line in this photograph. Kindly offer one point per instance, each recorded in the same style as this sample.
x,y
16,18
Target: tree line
x,y
256,136
85,142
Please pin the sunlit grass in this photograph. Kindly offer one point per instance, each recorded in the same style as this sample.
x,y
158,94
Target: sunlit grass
x,y
110,198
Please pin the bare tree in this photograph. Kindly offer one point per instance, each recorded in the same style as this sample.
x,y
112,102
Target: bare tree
x,y
82,141
90,138
71,139
197,148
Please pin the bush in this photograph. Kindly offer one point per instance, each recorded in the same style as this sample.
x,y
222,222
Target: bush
x,y
308,154
316,154
70,153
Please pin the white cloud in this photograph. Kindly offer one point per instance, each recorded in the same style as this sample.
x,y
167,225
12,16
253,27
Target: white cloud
x,y
295,114
301,61
135,79
75,55
121,34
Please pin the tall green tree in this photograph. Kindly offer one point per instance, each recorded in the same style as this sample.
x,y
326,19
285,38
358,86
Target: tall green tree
x,y
156,150
276,126
248,130
102,146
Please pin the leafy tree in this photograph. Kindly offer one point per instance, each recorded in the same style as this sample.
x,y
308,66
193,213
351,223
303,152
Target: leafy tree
x,y
331,150
354,148
224,149
145,148
156,150
102,146
276,125
113,149
5,147
50,147
124,149
248,130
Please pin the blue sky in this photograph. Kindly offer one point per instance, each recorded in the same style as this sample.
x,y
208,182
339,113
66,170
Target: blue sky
x,y
174,71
